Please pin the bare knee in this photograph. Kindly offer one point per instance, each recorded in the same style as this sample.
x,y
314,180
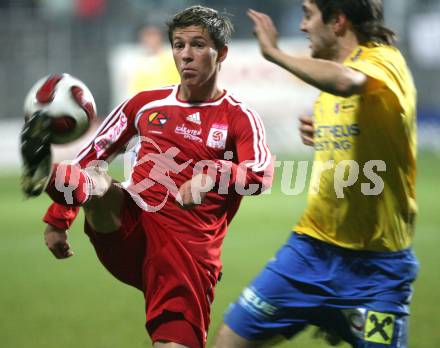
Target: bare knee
x,y
168,345
103,213
227,338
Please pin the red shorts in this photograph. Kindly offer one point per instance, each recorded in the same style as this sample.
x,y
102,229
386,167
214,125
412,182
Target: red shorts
x,y
178,289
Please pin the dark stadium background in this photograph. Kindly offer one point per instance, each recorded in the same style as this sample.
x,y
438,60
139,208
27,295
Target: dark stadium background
x,y
49,303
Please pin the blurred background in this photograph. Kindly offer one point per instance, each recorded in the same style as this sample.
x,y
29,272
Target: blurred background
x,y
118,47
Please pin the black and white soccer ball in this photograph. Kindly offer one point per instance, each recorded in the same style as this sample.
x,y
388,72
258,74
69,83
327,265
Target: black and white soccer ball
x,y
67,101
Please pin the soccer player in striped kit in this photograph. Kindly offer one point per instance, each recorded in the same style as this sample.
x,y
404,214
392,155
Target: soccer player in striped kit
x,y
348,265
200,150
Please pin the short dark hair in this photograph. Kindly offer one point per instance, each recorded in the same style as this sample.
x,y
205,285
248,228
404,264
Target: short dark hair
x,y
218,25
366,16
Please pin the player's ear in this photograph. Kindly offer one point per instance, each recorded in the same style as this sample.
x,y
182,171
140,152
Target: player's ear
x,y
340,23
222,53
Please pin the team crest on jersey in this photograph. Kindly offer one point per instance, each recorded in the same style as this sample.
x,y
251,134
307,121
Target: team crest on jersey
x,y
349,105
217,136
157,118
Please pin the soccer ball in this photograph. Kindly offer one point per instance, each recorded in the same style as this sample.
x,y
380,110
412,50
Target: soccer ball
x,y
67,101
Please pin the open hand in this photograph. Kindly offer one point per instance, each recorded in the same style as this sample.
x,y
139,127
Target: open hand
x,y
265,32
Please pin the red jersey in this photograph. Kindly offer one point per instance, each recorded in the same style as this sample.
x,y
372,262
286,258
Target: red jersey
x,y
176,138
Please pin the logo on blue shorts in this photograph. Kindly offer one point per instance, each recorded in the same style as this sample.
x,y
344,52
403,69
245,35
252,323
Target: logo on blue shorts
x,y
255,303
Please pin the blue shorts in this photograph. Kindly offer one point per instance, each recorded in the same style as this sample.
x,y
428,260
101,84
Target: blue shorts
x,y
362,296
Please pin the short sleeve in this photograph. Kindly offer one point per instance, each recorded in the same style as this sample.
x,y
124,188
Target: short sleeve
x,y
388,68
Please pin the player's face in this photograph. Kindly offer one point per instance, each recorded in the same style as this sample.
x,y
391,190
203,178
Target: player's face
x,y
197,60
321,36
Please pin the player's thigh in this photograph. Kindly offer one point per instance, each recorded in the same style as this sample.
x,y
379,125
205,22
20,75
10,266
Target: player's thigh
x,y
226,338
366,328
104,213
123,251
264,312
168,345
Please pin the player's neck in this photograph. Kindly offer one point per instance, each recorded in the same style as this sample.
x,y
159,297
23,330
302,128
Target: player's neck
x,y
346,45
205,92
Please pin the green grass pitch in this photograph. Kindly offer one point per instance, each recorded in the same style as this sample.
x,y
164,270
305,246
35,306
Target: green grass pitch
x,y
49,303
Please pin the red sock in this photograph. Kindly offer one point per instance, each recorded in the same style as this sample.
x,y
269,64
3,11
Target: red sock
x,y
69,185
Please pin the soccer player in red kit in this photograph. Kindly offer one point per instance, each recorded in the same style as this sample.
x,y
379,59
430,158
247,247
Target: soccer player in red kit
x,y
199,151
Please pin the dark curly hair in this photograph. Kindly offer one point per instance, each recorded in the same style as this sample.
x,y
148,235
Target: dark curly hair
x,y
218,26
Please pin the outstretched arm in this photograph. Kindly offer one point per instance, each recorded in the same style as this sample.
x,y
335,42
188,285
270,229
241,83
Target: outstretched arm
x,y
328,76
